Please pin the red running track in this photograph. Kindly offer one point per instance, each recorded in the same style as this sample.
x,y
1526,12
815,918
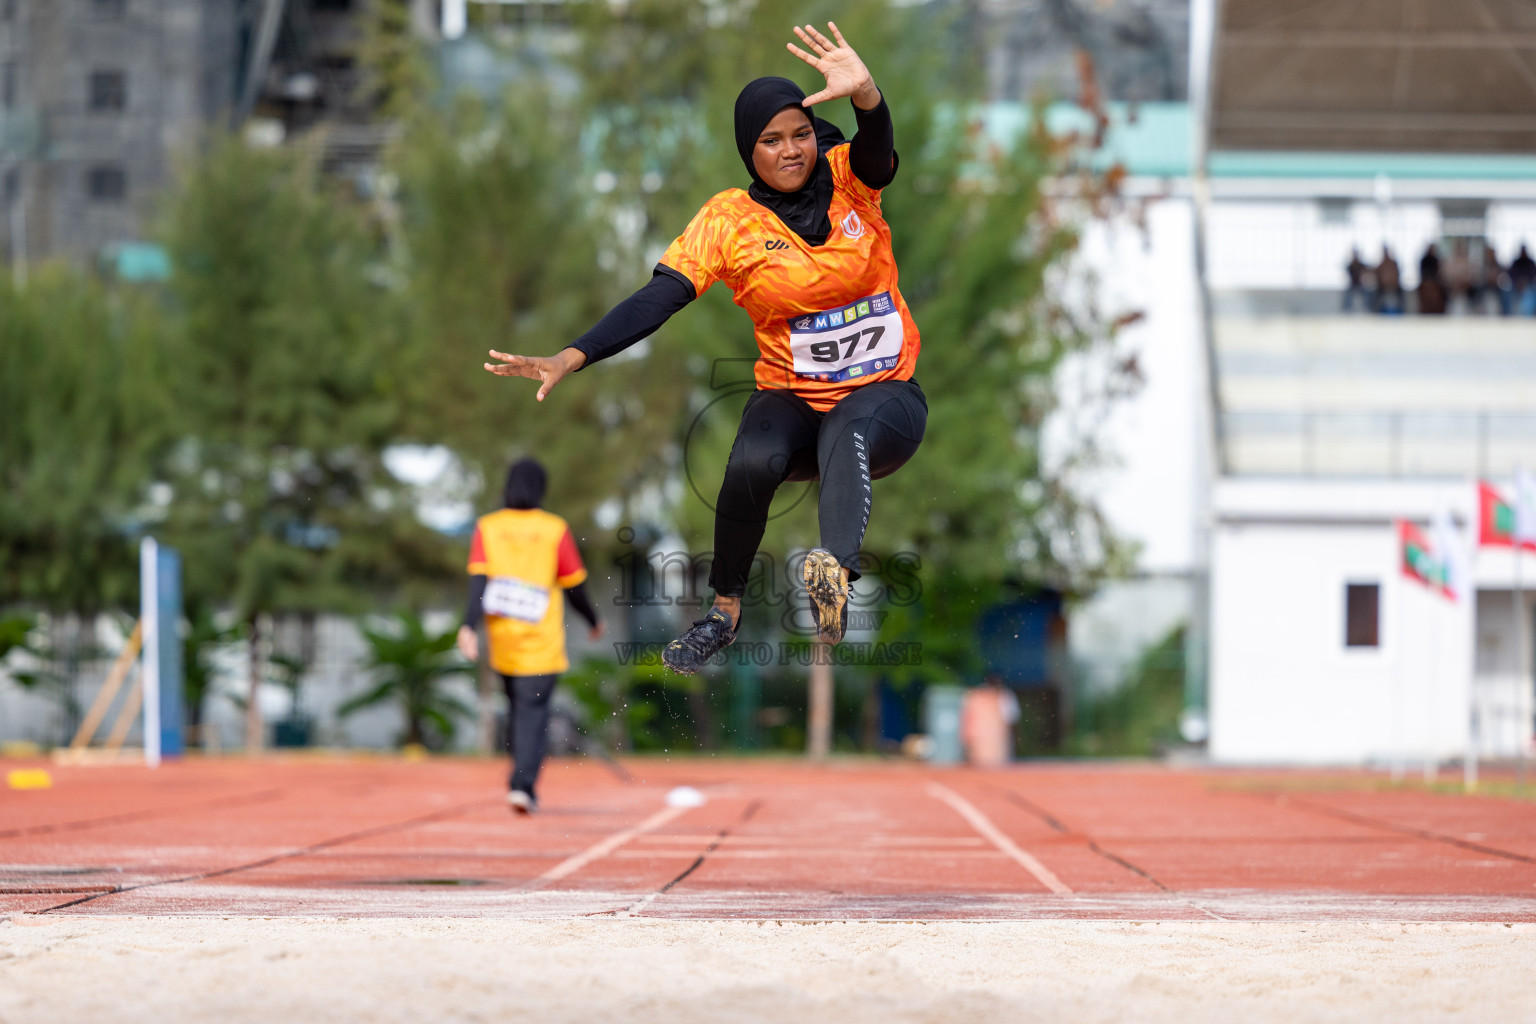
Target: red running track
x,y
856,840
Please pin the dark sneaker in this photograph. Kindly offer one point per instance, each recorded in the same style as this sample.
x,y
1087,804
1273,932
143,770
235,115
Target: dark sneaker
x,y
703,640
829,595
521,803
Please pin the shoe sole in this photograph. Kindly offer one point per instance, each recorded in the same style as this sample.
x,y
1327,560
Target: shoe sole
x,y
678,669
824,583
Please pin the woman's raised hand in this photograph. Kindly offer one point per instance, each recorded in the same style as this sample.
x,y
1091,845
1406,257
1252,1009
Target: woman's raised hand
x,y
845,72
547,369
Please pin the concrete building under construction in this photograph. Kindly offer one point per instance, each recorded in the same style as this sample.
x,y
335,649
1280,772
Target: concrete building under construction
x,y
99,99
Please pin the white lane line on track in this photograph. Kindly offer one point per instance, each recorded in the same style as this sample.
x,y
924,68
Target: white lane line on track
x,y
637,909
599,850
990,832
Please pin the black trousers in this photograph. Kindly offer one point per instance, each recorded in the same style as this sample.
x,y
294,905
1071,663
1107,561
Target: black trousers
x,y
869,434
527,726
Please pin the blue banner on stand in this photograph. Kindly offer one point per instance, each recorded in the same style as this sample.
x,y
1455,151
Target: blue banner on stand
x,y
164,702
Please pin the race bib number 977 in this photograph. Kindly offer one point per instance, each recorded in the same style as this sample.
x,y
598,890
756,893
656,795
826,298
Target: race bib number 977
x,y
857,340
515,599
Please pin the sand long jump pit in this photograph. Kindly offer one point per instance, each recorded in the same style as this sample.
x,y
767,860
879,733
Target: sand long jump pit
x,y
301,969
379,890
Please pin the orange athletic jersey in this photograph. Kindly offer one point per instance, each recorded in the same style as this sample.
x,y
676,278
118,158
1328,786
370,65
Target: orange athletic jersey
x,y
828,318
528,556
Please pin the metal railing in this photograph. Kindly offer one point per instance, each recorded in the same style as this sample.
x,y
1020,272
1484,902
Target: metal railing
x,y
1389,444
1292,245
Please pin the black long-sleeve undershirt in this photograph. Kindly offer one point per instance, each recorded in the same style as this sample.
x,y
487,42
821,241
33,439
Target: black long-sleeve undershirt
x,y
581,603
637,317
474,608
872,153
871,157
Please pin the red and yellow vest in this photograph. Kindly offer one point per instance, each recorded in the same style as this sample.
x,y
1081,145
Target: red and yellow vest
x,y
528,557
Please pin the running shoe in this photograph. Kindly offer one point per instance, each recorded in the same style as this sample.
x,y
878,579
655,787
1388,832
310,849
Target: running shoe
x,y
521,803
829,595
704,639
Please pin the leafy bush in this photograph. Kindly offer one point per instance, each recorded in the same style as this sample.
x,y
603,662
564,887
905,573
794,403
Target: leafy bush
x,y
412,664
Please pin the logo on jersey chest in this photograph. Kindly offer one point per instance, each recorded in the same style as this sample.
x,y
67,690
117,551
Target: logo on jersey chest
x,y
852,226
774,244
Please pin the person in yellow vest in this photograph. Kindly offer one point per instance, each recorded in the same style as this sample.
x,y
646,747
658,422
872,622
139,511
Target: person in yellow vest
x,y
523,566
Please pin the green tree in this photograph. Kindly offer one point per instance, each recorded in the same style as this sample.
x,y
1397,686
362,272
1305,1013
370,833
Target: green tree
x,y
287,390
397,67
82,389
502,249
14,630
412,664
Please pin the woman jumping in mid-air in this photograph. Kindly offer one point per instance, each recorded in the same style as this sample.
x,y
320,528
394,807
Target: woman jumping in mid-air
x,y
807,253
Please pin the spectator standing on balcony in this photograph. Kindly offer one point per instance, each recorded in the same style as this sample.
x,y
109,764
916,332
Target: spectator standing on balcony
x,y
1522,272
1460,284
1431,284
1361,278
1389,284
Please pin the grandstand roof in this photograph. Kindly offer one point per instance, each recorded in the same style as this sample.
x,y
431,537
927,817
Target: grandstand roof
x,y
1416,76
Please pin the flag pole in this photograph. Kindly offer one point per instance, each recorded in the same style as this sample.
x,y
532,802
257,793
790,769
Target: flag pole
x,y
1469,762
1522,682
1431,763
1524,533
1399,674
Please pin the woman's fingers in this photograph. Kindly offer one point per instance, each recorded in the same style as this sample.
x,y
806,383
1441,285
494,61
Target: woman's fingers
x,y
509,364
819,40
835,60
513,366
546,371
812,61
551,374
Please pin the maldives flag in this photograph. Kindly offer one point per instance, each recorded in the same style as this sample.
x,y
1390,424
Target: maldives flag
x,y
1421,562
1499,523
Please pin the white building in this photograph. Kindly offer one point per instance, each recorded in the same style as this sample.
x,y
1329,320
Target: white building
x,y
1327,428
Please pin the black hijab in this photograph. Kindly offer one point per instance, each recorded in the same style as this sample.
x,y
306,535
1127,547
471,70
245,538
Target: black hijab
x,y
525,485
804,211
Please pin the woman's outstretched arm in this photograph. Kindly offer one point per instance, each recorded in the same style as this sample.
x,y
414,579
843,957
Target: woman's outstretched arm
x,y
872,156
636,317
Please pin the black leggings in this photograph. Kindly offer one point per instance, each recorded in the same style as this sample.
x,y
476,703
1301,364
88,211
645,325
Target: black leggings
x,y
527,723
868,435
